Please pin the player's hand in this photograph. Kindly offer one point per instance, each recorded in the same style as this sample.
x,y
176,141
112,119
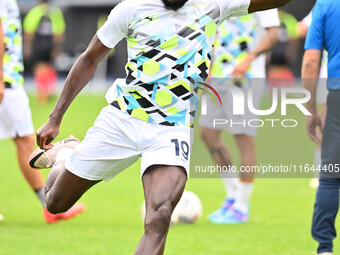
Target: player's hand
x,y
241,69
2,91
46,134
313,123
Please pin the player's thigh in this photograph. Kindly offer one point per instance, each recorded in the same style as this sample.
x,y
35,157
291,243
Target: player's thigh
x,y
210,136
245,142
109,147
67,189
24,145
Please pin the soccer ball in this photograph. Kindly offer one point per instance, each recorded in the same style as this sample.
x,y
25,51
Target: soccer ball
x,y
188,209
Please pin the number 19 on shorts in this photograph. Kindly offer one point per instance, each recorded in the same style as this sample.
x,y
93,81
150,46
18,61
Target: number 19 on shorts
x,y
181,148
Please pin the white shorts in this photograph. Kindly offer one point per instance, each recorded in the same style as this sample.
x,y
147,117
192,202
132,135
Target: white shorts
x,y
15,114
117,140
234,124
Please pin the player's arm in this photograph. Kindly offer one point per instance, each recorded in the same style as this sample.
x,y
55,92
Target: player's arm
x,y
212,57
261,5
78,77
268,41
58,27
303,29
315,43
30,25
310,75
2,53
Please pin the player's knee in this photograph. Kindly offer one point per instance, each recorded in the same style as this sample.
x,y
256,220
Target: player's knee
x,y
55,205
27,141
158,220
204,134
208,135
245,142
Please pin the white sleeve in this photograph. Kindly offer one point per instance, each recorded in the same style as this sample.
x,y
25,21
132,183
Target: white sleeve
x,y
308,19
116,26
268,18
2,8
233,8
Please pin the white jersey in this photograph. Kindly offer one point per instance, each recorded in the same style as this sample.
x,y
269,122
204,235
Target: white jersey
x,y
169,54
236,37
2,9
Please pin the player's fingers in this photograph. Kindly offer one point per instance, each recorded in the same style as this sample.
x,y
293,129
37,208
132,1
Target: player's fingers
x,y
311,132
49,141
48,146
42,142
37,138
313,138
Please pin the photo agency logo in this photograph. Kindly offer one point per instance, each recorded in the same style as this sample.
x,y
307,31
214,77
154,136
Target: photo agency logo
x,y
201,87
241,108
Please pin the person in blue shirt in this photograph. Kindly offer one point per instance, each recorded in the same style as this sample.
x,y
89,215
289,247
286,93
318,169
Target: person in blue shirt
x,y
324,33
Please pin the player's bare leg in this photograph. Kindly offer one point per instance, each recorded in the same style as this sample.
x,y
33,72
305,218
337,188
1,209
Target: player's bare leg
x,y
58,202
246,145
25,146
218,150
163,188
222,157
63,189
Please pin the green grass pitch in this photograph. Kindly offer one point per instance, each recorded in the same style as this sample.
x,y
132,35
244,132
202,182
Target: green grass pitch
x,y
281,209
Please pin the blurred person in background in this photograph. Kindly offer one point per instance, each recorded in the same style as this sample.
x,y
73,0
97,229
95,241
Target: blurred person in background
x,y
44,29
239,53
324,33
322,91
15,114
283,54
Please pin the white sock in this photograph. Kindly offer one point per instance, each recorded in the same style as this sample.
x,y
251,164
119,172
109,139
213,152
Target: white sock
x,y
243,197
63,154
231,183
231,187
41,196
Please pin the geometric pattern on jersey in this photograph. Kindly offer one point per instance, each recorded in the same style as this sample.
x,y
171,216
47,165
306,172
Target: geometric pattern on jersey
x,y
235,38
12,61
169,54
